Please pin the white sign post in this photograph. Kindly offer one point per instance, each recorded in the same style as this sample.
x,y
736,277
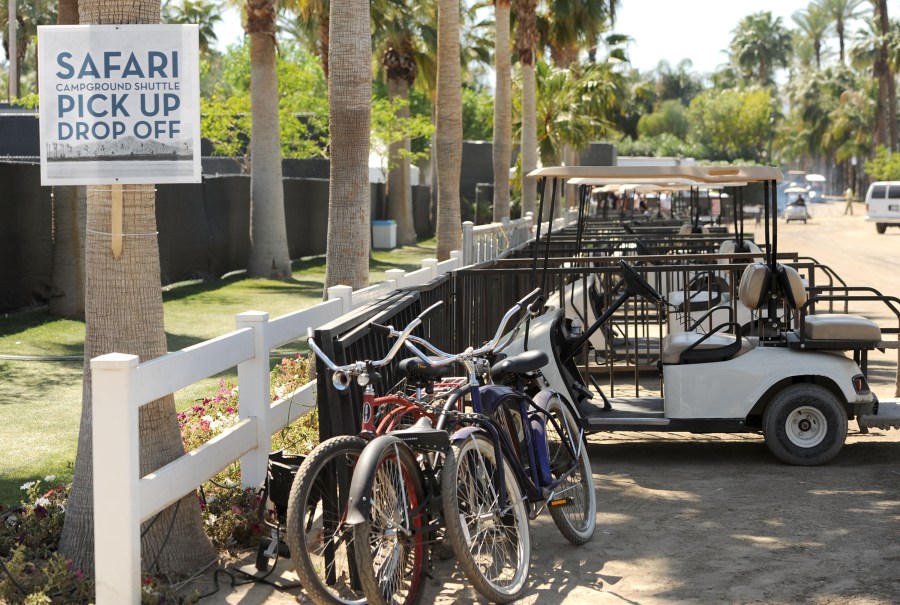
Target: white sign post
x,y
119,104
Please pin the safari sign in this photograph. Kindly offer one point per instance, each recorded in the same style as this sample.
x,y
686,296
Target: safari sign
x,y
119,104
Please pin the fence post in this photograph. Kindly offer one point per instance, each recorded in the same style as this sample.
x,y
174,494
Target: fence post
x,y
457,255
253,380
431,263
468,228
345,293
395,275
506,234
117,539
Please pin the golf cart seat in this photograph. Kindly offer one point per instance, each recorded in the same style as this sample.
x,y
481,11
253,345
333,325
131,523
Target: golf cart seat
x,y
710,288
835,331
691,347
688,229
730,246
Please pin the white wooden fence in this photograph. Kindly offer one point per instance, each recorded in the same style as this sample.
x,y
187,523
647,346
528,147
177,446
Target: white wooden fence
x,y
122,385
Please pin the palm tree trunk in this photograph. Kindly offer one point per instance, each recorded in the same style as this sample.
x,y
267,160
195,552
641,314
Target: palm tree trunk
x,y
269,256
124,313
69,211
350,106
13,47
399,191
448,135
502,148
67,261
526,36
886,80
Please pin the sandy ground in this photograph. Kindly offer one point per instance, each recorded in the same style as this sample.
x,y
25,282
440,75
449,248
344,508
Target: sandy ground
x,y
715,518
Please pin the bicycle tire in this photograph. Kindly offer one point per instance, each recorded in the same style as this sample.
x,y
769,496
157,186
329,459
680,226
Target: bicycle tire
x,y
576,520
493,546
321,544
392,568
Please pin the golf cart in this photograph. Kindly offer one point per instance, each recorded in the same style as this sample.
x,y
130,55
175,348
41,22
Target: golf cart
x,y
798,380
798,209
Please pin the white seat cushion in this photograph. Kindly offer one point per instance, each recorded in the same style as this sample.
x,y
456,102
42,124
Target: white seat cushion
x,y
675,344
838,326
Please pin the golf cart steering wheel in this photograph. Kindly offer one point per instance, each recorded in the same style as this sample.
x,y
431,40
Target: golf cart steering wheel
x,y
636,284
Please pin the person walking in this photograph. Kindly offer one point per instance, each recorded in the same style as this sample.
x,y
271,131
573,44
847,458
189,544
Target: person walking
x,y
848,195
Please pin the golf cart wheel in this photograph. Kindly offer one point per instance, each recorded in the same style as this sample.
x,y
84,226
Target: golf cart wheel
x,y
805,424
881,228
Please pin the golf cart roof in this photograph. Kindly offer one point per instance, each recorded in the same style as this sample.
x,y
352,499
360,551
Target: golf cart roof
x,y
692,174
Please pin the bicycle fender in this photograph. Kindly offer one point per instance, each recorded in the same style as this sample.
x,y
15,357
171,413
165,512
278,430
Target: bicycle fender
x,y
543,397
359,502
466,432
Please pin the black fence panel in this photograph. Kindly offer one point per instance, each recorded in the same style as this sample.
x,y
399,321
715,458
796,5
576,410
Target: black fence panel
x,y
227,203
26,236
184,234
349,339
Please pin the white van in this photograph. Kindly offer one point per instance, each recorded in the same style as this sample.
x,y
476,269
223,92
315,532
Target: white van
x,y
883,204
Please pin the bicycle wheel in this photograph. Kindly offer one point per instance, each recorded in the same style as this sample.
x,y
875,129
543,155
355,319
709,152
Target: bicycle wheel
x,y
321,544
576,518
392,568
493,545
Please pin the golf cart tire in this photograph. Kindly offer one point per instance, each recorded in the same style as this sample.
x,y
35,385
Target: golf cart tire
x,y
881,228
805,425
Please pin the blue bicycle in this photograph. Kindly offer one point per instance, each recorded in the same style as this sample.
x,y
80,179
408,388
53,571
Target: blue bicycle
x,y
515,449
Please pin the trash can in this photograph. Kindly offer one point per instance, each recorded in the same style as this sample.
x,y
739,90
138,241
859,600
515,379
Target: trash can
x,y
384,235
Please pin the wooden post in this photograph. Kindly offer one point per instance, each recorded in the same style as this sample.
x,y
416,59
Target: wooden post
x,y
116,219
253,380
117,539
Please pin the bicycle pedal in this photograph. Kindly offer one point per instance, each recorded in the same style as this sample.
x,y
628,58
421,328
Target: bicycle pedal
x,y
560,502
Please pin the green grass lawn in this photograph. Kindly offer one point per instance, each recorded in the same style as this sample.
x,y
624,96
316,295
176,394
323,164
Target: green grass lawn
x,y
40,401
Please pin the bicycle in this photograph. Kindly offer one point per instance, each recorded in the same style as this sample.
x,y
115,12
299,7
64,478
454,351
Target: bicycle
x,y
320,543
520,450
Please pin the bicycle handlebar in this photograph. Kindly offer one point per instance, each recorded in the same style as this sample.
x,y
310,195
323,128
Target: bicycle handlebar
x,y
359,367
535,297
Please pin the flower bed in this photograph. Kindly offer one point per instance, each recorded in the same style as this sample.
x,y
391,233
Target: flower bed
x,y
33,573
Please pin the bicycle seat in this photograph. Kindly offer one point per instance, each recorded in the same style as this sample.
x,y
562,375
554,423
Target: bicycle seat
x,y
416,370
529,361
422,436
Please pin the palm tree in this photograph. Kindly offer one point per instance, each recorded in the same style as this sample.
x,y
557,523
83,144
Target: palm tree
x,y
873,53
841,12
526,46
397,26
204,13
349,102
568,26
124,313
448,129
760,44
69,210
312,20
815,23
269,255
502,148
887,89
29,14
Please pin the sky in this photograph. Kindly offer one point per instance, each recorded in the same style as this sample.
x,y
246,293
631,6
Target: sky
x,y
699,30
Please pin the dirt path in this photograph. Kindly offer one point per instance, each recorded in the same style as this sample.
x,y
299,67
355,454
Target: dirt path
x,y
715,518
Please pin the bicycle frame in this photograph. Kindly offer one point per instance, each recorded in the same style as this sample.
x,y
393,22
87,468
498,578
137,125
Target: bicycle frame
x,y
536,481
